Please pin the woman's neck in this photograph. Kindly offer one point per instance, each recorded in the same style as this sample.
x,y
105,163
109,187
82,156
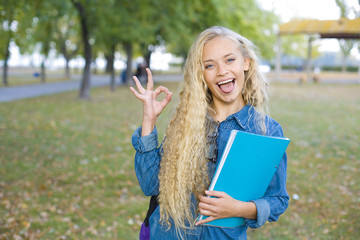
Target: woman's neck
x,y
222,111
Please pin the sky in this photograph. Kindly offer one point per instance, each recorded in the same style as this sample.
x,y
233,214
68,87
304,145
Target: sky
x,y
310,9
315,9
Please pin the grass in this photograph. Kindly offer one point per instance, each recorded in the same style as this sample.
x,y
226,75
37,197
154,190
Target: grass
x,y
67,165
24,76
29,80
323,164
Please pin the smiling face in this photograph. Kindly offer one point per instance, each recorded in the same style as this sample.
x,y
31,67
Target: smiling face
x,y
224,72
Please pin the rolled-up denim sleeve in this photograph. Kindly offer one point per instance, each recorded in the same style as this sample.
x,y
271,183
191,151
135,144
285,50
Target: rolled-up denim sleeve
x,y
263,213
147,161
276,199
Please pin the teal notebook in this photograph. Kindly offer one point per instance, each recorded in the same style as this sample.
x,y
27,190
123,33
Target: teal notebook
x,y
246,168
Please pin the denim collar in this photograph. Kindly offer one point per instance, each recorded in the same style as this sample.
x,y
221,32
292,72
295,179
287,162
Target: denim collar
x,y
243,116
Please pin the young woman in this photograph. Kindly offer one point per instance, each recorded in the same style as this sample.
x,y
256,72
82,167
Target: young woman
x,y
222,90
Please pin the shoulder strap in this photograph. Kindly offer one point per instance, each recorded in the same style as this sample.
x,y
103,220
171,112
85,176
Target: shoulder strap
x,y
152,206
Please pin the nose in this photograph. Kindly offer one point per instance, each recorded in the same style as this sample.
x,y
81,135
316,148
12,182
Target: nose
x,y
222,70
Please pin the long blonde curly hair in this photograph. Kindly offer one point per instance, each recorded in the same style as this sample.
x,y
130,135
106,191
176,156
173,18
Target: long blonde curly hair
x,y
183,168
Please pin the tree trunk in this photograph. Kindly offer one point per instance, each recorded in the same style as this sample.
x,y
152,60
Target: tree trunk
x,y
147,50
278,58
6,67
43,73
109,62
84,92
85,83
308,59
148,58
129,53
345,47
67,59
68,55
343,65
184,56
67,68
110,65
7,36
359,52
94,66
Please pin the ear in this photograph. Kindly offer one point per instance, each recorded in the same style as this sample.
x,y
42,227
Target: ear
x,y
246,64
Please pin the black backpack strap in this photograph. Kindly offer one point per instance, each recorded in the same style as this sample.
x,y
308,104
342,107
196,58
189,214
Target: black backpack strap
x,y
152,206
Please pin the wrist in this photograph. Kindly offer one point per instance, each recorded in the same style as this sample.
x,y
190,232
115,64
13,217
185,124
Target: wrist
x,y
246,210
147,128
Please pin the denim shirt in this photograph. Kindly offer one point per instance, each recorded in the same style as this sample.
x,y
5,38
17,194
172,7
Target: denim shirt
x,y
269,207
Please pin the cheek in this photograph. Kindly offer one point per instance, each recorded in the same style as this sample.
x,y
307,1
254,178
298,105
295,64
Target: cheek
x,y
207,78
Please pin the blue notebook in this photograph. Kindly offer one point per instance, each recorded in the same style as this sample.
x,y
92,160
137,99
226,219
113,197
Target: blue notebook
x,y
246,168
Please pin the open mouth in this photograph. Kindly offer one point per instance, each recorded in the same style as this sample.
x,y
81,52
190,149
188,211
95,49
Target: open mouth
x,y
227,85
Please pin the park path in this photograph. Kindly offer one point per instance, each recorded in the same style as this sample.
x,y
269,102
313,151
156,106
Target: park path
x,y
8,94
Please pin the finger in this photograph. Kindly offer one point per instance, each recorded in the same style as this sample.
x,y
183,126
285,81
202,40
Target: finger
x,y
217,194
207,200
137,95
207,213
205,207
206,220
166,100
138,84
161,89
150,82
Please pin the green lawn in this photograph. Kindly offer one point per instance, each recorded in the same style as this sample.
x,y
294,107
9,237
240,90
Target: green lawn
x,y
67,165
28,79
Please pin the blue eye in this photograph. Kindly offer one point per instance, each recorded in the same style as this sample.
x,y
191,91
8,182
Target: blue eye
x,y
230,60
209,66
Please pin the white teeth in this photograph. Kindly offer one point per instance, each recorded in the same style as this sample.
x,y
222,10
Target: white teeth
x,y
226,81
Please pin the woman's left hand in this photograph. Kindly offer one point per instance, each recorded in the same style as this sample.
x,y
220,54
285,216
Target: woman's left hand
x,y
221,205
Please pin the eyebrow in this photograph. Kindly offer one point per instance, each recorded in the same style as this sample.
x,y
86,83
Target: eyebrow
x,y
225,56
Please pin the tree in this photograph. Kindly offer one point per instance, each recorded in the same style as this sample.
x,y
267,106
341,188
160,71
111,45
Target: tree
x,y
67,36
108,34
137,26
345,45
14,19
297,45
131,25
6,30
154,22
46,18
254,23
87,16
189,18
43,32
245,17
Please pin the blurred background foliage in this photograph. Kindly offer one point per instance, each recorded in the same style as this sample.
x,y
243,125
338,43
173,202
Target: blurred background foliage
x,y
132,27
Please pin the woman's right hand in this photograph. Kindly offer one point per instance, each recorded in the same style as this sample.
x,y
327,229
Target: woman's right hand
x,y
152,107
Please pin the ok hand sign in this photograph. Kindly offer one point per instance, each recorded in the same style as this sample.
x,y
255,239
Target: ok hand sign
x,y
152,107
